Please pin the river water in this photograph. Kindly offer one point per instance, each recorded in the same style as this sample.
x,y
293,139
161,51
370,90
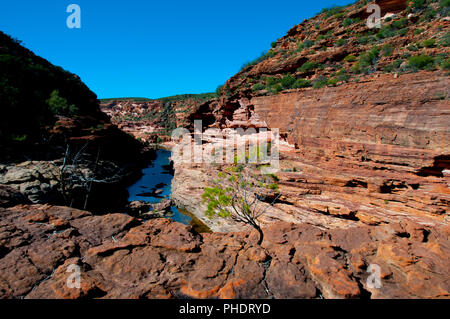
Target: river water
x,y
155,185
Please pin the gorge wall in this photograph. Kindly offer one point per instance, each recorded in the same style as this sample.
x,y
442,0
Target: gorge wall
x,y
366,130
372,152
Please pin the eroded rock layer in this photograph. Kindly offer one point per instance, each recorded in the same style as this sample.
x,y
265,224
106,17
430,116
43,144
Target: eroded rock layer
x,y
373,152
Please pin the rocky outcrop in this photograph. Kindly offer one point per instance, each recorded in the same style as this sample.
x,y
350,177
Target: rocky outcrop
x,y
38,180
371,146
369,152
148,210
367,149
42,182
119,257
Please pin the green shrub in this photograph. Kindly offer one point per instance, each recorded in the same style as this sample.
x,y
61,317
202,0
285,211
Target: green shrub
x,y
305,45
335,10
401,23
402,31
445,40
365,39
342,76
356,68
445,64
394,66
341,42
258,87
333,81
413,48
277,88
320,82
421,62
388,68
350,58
287,81
444,9
262,57
19,138
347,22
417,4
385,32
270,81
301,83
428,43
309,66
59,105
428,15
397,63
273,186
369,58
387,50
419,31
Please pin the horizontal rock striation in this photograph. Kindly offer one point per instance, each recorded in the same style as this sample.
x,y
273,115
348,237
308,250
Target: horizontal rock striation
x,y
374,152
378,149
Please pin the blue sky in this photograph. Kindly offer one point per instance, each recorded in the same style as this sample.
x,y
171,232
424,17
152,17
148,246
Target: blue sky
x,y
138,48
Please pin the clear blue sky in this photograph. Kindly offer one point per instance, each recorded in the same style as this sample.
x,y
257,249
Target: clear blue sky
x,y
145,48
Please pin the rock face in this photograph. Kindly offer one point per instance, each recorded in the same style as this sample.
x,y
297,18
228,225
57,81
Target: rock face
x,y
372,152
364,159
36,180
119,257
374,148
153,120
40,182
371,146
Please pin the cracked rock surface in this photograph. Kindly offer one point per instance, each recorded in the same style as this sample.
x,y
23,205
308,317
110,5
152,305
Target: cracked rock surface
x,y
121,257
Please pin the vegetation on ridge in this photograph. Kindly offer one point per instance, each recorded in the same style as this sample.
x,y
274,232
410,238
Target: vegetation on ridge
x,y
336,47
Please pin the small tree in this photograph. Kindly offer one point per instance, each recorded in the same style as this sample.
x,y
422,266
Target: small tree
x,y
59,105
240,195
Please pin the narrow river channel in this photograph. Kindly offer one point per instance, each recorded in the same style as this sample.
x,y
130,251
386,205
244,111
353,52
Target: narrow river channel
x,y
155,185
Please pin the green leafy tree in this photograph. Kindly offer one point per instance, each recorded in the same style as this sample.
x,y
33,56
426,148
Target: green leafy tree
x,y
240,195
